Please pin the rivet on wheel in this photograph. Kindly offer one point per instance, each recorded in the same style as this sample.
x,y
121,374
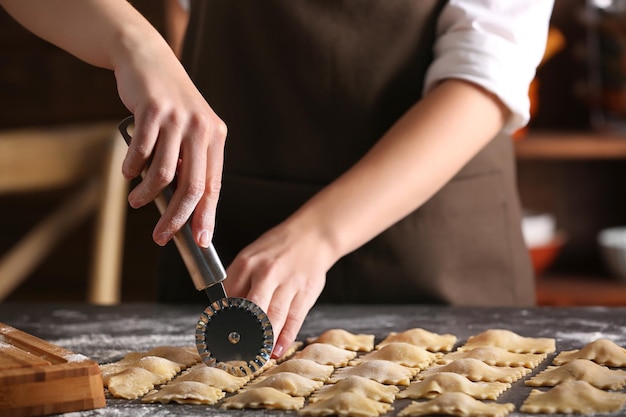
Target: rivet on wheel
x,y
234,338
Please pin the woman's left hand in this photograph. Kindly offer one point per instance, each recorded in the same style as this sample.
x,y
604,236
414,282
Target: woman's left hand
x,y
283,272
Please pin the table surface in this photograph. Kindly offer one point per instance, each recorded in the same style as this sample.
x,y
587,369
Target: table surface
x,y
106,334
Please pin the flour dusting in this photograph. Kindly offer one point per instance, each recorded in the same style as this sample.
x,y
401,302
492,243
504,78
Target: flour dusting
x,y
76,357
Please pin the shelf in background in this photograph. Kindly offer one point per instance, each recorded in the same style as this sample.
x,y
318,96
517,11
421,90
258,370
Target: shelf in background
x,y
580,291
571,145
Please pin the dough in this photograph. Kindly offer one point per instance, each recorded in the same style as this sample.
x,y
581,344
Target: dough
x,y
403,354
346,340
432,342
384,372
476,370
289,383
304,367
510,341
457,404
346,404
359,385
601,351
580,370
132,383
573,397
139,372
159,371
263,397
213,377
164,368
326,354
442,382
185,392
496,356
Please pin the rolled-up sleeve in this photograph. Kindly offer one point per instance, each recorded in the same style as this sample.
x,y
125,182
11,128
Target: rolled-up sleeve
x,y
496,44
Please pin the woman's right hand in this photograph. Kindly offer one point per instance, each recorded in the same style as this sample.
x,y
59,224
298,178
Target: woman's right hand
x,y
178,133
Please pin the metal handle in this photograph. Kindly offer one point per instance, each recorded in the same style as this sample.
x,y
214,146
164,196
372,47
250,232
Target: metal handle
x,y
203,264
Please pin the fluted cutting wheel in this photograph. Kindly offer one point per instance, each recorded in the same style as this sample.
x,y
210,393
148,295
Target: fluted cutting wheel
x,y
236,335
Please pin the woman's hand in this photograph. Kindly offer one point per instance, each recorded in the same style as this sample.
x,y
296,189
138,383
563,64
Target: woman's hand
x,y
283,272
178,134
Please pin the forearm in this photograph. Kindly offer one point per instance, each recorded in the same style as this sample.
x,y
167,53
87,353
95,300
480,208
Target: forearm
x,y
176,19
410,163
100,32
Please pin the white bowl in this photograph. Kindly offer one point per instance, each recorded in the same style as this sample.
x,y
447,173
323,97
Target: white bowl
x,y
612,242
538,229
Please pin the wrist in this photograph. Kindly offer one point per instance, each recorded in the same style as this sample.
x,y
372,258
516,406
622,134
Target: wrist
x,y
321,230
133,43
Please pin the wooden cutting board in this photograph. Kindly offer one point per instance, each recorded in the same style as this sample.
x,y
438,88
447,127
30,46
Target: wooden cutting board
x,y
38,378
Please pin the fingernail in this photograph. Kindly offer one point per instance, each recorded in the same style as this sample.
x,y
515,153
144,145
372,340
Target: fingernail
x,y
204,239
278,350
162,239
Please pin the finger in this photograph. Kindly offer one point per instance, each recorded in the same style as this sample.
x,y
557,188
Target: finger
x,y
278,307
140,147
190,185
298,310
262,289
162,168
203,220
238,282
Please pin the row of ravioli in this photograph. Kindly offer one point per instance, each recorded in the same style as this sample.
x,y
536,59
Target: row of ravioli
x,y
453,383
581,381
357,378
340,373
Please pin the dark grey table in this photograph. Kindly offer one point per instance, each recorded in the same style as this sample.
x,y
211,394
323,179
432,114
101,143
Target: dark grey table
x,y
105,334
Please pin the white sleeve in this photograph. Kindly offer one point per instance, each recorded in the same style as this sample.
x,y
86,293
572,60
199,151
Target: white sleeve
x,y
184,4
496,44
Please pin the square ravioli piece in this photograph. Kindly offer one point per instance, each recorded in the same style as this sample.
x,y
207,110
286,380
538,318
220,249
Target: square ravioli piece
x,y
132,383
496,356
510,341
456,404
433,342
289,383
476,370
384,372
359,385
601,351
304,367
214,377
580,370
326,354
346,404
185,392
346,340
573,397
404,354
164,368
442,382
263,397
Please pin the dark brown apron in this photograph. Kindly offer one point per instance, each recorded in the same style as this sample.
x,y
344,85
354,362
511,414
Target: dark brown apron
x,y
306,87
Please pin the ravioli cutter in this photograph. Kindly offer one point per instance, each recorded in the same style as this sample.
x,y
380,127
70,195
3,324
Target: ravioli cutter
x,y
232,333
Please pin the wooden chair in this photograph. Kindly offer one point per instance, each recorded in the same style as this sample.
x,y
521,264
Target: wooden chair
x,y
88,158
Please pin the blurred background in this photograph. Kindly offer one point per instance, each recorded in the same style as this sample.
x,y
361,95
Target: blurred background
x,y
571,160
